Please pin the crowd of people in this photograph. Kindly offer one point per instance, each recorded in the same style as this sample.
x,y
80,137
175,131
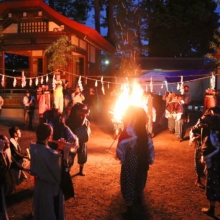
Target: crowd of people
x,y
63,132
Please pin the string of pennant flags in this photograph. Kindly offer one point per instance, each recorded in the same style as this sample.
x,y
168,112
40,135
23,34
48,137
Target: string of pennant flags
x,y
103,80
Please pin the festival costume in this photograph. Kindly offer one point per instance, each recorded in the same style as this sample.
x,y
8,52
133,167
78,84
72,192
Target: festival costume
x,y
48,201
58,95
43,98
210,138
132,178
176,121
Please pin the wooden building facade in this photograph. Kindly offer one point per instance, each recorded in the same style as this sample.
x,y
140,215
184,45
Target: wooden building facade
x,y
30,26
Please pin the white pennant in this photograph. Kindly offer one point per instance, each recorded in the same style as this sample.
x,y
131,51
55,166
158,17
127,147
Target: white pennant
x,y
14,82
42,80
96,83
166,84
3,80
47,78
103,90
23,79
151,84
36,81
30,82
54,82
212,81
178,86
80,84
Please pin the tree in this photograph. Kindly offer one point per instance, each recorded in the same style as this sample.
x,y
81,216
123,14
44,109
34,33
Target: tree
x,y
73,9
215,47
180,28
59,52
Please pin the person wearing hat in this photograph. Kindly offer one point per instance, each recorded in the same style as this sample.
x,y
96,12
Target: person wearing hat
x,y
29,104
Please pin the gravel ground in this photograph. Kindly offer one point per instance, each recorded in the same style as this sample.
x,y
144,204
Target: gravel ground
x,y
170,192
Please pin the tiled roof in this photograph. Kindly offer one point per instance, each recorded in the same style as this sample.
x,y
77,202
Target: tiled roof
x,y
85,32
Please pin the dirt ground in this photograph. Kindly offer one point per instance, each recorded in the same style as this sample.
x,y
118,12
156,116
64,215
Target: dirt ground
x,y
170,192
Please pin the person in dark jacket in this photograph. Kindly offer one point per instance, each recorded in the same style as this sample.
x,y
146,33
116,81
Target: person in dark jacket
x,y
18,157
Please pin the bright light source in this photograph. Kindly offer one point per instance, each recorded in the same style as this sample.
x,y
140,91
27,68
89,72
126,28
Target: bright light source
x,y
106,62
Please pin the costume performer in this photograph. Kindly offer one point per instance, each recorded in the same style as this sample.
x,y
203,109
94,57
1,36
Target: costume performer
x,y
175,114
80,126
135,150
58,94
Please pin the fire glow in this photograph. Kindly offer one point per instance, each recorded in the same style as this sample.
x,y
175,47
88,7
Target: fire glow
x,y
129,96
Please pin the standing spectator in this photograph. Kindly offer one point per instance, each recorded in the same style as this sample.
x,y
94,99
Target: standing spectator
x,y
170,109
135,150
79,125
1,104
43,101
147,104
47,165
180,123
29,106
167,98
77,96
58,94
18,157
187,100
